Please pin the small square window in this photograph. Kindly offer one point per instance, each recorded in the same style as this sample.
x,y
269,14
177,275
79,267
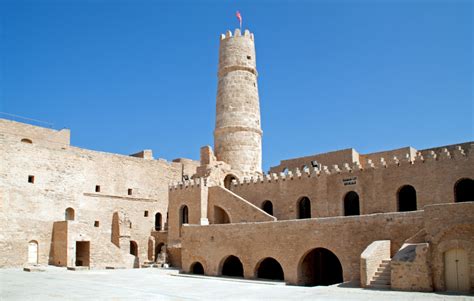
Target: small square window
x,y
97,188
31,179
130,190
249,57
146,213
96,224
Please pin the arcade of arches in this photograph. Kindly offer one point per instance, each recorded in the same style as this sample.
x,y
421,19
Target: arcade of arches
x,y
233,267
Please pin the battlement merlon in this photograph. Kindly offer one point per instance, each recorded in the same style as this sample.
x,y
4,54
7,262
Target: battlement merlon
x,y
237,34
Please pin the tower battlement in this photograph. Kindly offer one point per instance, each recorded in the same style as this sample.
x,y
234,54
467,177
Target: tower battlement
x,y
237,33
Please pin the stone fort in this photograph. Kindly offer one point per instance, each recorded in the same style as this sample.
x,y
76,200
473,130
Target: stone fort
x,y
400,219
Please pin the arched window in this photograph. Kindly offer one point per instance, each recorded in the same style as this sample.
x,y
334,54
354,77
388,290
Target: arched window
x,y
351,204
157,221
406,198
464,191
69,214
267,206
228,181
304,208
184,215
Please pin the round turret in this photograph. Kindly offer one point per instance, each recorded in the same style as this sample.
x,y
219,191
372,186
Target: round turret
x,y
237,135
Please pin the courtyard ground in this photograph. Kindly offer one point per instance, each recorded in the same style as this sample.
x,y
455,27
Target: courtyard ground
x,y
160,284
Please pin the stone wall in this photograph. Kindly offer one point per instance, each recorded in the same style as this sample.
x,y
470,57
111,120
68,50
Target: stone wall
x,y
411,269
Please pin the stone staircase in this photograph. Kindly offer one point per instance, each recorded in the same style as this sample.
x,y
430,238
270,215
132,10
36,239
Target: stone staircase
x,y
381,279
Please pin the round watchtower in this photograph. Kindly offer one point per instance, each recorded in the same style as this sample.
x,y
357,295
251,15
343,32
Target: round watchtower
x,y
238,136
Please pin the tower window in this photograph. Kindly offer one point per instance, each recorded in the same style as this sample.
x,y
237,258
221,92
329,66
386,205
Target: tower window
x,y
249,57
26,140
130,191
146,213
97,188
31,179
96,224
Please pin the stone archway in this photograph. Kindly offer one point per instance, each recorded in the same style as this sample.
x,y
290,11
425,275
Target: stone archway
x,y
197,268
269,268
320,266
232,266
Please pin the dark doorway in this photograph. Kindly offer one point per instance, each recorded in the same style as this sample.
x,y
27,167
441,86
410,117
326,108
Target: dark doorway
x,y
268,207
304,208
197,268
228,181
407,198
269,268
157,221
233,267
320,267
158,250
133,248
464,191
82,253
351,204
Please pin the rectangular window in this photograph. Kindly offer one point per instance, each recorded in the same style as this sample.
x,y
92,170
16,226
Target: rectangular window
x,y
130,191
146,213
97,188
31,179
96,224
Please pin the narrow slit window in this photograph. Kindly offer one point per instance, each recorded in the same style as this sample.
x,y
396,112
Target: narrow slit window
x,y
31,179
146,213
249,57
96,224
97,188
130,191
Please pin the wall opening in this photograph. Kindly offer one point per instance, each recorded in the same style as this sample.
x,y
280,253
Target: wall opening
x,y
96,224
26,140
351,204
145,214
320,267
406,198
267,206
456,270
33,252
133,248
31,179
220,216
184,215
228,181
197,268
158,221
232,267
97,188
464,191
158,250
82,253
269,268
69,214
130,191
304,208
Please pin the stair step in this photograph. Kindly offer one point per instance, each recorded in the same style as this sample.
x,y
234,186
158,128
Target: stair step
x,y
386,261
384,278
383,272
380,282
380,286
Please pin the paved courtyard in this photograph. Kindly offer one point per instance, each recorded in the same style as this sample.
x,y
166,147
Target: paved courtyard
x,y
159,284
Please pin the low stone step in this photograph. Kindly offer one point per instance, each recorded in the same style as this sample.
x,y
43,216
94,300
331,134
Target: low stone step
x,y
384,278
386,261
380,286
387,282
383,273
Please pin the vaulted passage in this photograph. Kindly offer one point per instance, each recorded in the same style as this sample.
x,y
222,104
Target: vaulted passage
x,y
232,267
269,268
228,181
320,267
351,204
407,198
304,208
220,216
197,268
464,190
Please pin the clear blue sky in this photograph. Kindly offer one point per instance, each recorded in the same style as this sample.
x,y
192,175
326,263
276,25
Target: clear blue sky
x,y
131,75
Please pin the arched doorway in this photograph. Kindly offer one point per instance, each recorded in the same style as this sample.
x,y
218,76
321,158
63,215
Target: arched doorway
x,y
158,250
133,248
69,214
220,216
351,204
320,267
304,208
267,206
456,270
33,252
406,198
269,268
464,191
158,221
232,266
228,181
197,268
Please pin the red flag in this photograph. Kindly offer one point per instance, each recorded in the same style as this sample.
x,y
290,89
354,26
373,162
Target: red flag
x,y
237,14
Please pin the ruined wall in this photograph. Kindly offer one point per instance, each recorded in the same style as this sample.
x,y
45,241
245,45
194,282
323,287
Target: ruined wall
x,y
433,176
65,177
411,269
289,241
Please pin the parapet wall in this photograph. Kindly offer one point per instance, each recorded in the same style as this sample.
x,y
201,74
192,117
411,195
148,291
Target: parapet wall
x,y
35,134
